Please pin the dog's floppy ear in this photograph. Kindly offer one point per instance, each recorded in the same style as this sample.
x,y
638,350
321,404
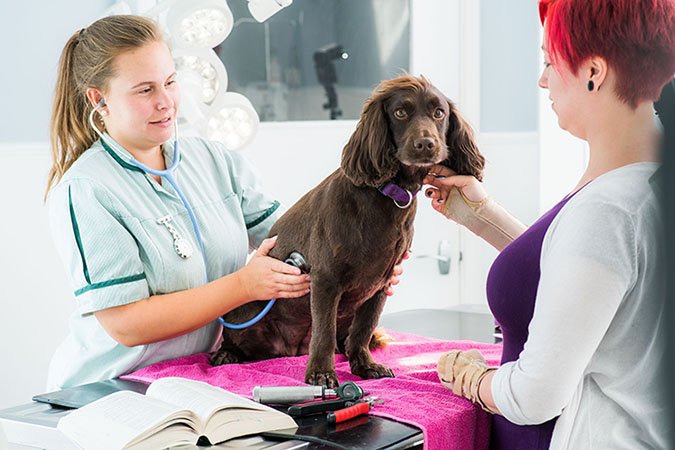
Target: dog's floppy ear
x,y
368,158
464,156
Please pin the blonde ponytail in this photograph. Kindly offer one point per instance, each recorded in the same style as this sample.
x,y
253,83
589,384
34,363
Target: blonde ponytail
x,y
87,60
70,132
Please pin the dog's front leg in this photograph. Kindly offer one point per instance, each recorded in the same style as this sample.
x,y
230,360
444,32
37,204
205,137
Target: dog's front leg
x,y
321,364
360,333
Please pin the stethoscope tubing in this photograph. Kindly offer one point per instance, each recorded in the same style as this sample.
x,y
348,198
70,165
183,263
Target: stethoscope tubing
x,y
168,175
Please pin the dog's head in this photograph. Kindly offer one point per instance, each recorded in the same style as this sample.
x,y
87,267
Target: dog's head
x,y
407,122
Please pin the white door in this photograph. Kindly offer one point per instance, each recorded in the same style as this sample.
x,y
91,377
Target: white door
x,y
431,274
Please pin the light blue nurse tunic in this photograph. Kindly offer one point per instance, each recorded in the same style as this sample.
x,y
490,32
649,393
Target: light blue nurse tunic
x,y
104,217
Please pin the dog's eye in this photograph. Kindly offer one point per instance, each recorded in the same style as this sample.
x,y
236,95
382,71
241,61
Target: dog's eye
x,y
400,113
439,113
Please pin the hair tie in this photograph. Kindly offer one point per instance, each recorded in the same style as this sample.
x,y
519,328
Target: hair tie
x,y
79,36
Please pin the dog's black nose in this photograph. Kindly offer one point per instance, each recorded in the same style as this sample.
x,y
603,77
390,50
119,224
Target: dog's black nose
x,y
424,144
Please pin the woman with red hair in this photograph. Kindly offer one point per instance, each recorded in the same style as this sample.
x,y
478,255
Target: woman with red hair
x,y
580,293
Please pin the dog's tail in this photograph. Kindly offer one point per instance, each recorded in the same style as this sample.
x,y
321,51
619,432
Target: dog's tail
x,y
379,339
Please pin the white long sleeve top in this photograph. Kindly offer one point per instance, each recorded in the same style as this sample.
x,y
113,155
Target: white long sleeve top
x,y
596,340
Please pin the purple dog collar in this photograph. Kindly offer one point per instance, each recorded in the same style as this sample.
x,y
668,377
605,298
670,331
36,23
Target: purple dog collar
x,y
401,197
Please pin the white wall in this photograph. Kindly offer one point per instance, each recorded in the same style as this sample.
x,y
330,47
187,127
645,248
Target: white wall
x,y
35,297
32,34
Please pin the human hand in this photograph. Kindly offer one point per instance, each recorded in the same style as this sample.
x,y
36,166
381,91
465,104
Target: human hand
x,y
396,276
457,369
442,179
264,277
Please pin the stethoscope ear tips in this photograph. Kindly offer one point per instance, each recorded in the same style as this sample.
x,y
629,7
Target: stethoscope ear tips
x,y
100,105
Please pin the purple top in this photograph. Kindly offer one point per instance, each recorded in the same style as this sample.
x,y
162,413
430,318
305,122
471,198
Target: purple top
x,y
511,292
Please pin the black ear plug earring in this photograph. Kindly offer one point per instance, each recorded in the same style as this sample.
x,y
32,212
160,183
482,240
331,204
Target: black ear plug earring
x,y
591,85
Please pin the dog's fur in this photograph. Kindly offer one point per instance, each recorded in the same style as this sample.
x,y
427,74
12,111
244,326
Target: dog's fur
x,y
352,235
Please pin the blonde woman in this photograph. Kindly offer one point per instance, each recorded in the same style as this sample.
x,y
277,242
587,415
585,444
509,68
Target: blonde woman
x,y
124,234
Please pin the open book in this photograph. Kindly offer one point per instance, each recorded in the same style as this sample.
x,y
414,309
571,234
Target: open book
x,y
173,411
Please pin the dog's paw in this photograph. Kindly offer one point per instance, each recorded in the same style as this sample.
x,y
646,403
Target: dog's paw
x,y
223,357
372,371
327,378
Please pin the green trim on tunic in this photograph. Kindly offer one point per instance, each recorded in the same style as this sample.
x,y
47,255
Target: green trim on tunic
x,y
78,238
265,215
103,284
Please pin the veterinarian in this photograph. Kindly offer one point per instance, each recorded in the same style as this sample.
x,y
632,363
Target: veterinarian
x,y
124,234
580,293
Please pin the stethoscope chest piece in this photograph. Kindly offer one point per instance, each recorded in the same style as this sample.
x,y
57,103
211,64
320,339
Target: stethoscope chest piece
x,y
298,260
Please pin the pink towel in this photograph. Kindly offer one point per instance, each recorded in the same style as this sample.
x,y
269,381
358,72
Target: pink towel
x,y
415,396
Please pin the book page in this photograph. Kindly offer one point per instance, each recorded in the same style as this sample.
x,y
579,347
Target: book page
x,y
230,423
225,415
200,397
116,420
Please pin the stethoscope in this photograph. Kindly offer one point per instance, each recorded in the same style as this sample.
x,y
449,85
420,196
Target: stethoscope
x,y
181,245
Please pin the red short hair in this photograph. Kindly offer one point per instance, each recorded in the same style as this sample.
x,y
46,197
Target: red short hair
x,y
635,37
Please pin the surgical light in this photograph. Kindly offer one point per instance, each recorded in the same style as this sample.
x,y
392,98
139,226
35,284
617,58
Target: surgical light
x,y
233,121
261,10
209,69
199,24
195,27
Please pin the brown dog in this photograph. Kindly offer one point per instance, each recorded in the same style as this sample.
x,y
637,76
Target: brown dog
x,y
352,234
